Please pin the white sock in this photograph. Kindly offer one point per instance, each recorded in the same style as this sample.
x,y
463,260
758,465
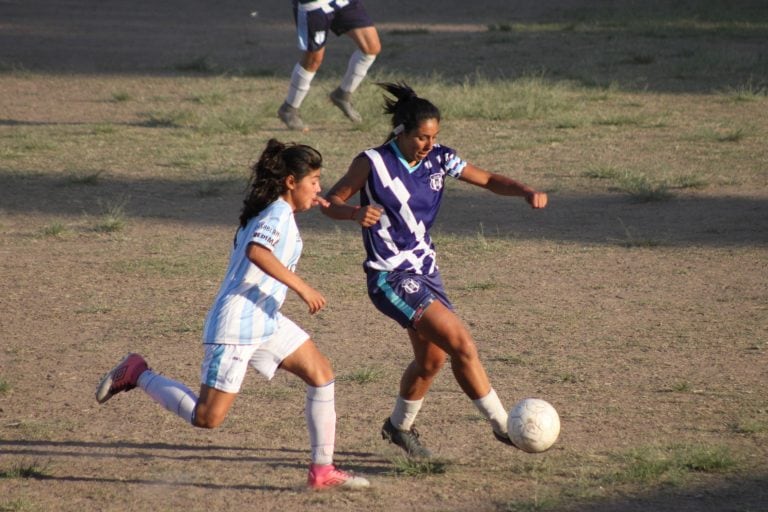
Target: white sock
x,y
358,66
300,81
320,412
405,413
174,396
491,407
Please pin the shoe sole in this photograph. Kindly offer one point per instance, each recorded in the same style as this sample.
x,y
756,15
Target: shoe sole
x,y
102,391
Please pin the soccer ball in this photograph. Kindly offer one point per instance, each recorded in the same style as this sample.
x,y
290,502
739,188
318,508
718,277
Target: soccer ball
x,y
533,425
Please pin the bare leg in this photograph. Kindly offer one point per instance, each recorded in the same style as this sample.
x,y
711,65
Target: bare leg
x,y
441,332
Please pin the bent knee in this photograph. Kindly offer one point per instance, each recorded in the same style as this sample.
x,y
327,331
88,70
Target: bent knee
x,y
464,350
432,365
372,49
203,419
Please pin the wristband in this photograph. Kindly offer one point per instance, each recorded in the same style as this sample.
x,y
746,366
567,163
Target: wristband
x,y
354,212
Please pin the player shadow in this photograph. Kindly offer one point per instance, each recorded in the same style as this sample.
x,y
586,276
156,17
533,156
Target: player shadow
x,y
277,458
241,453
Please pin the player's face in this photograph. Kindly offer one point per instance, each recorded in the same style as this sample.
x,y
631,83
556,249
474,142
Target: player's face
x,y
302,194
417,143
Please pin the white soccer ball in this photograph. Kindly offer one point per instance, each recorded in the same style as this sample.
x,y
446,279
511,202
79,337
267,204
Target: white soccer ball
x,y
533,425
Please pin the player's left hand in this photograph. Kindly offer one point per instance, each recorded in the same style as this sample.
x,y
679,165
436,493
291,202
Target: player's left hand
x,y
536,199
320,201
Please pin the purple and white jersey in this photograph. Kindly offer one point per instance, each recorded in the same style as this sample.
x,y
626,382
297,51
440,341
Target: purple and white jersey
x,y
410,198
328,6
247,307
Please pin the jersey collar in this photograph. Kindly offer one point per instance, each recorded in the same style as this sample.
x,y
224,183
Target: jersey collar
x,y
402,159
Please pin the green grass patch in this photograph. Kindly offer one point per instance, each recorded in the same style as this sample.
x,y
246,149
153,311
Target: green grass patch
x,y
18,505
364,375
203,65
603,173
239,121
54,229
404,466
642,189
689,181
112,219
209,99
637,185
169,267
169,119
631,241
24,470
528,97
5,386
720,135
121,97
672,464
89,178
682,387
747,92
750,426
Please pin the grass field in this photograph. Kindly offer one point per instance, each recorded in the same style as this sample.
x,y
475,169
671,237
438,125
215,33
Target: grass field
x,y
636,302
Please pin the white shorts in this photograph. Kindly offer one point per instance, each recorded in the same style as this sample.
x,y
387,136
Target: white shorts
x,y
224,366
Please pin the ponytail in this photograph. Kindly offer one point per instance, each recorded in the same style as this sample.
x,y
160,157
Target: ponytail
x,y
276,163
408,111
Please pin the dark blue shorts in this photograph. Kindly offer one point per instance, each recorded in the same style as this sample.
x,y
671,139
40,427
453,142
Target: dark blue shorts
x,y
312,27
404,296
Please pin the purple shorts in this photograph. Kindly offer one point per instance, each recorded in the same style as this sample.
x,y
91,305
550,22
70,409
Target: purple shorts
x,y
404,296
312,26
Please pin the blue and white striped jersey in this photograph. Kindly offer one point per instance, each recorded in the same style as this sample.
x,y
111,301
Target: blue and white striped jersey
x,y
247,306
410,198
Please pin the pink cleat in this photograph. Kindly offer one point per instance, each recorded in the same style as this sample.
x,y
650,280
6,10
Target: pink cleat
x,y
327,476
122,377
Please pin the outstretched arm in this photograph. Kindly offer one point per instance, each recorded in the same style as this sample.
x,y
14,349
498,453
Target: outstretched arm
x,y
266,261
349,185
502,185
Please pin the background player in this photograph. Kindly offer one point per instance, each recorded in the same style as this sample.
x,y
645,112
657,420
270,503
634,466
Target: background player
x,y
401,186
314,19
244,327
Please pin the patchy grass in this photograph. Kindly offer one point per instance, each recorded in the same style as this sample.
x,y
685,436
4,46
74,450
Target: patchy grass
x,y
364,375
25,470
405,466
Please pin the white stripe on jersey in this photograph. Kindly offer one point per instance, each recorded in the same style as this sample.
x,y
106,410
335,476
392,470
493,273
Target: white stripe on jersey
x,y
328,6
248,302
416,227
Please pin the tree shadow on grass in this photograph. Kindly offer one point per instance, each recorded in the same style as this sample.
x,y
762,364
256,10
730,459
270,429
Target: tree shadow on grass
x,y
602,219
655,45
732,494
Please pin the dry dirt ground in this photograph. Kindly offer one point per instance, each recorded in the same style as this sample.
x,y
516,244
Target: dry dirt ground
x,y
658,344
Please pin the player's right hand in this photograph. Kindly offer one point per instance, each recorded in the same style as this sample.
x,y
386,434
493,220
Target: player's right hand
x,y
314,300
369,215
537,199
